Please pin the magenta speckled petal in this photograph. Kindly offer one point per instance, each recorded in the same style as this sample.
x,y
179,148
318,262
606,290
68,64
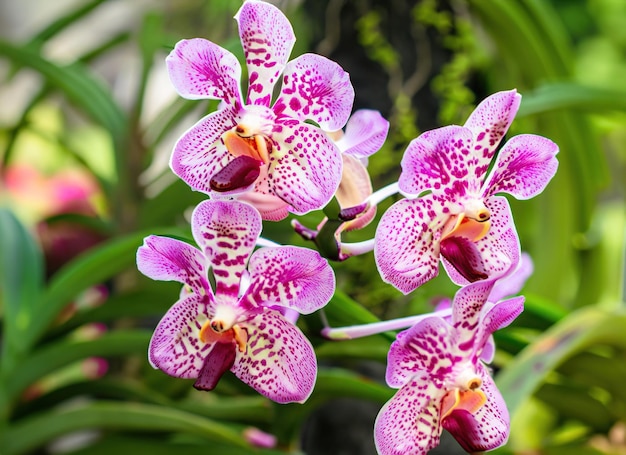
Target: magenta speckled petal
x,y
308,171
428,346
489,123
316,88
279,362
488,428
499,250
409,422
292,277
437,160
406,243
523,167
165,259
201,69
175,347
226,231
267,39
365,133
466,311
495,317
199,154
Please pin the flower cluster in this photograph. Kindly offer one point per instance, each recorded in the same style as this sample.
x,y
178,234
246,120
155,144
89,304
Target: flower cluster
x,y
283,149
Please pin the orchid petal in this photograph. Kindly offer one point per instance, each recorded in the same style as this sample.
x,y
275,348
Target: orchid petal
x,y
523,167
428,346
308,171
279,362
467,307
316,88
488,428
409,422
271,207
437,161
226,232
489,123
267,39
165,259
292,277
514,281
354,188
464,259
199,154
407,244
498,251
200,69
365,133
175,347
496,316
217,362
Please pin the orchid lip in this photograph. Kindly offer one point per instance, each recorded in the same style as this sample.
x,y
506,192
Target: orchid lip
x,y
468,227
241,172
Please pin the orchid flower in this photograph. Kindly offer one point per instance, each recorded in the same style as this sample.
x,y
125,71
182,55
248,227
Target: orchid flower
x,y
240,326
458,217
254,145
443,382
364,135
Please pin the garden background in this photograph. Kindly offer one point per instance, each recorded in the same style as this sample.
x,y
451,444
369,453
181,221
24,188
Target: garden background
x,y
87,124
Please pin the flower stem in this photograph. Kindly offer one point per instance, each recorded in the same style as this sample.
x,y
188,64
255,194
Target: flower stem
x,y
359,331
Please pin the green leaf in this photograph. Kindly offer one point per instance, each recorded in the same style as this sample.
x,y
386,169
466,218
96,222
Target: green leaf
x,y
93,267
571,96
33,432
21,283
579,331
56,355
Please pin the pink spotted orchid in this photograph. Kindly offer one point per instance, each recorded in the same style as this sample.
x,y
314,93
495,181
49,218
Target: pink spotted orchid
x,y
241,326
452,211
270,149
442,380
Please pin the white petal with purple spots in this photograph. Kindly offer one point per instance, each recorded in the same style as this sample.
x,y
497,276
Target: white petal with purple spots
x,y
292,277
407,243
226,231
200,69
175,347
279,361
408,424
267,39
316,88
523,167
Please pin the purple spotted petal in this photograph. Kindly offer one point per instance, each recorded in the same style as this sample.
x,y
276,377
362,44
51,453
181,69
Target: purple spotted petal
x,y
489,123
438,160
316,88
267,39
467,307
175,347
488,428
279,362
514,281
165,259
406,243
427,347
199,154
409,422
292,277
365,133
308,171
201,69
499,250
226,231
495,317
523,167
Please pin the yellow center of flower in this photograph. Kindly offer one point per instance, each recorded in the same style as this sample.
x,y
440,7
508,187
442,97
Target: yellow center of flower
x,y
472,224
470,398
241,141
222,329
